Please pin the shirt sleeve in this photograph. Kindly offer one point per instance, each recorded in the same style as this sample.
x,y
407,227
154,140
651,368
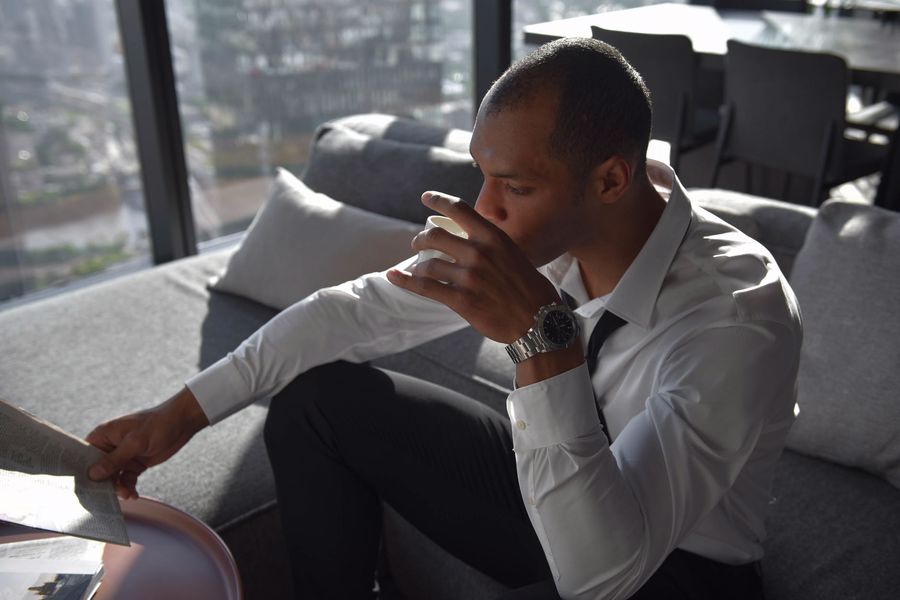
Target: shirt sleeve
x,y
606,516
356,321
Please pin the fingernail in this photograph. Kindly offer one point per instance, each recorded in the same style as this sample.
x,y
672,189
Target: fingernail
x,y
96,472
429,197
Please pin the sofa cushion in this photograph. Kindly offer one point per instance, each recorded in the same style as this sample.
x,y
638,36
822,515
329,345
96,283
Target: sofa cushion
x,y
301,241
780,226
846,280
735,217
832,533
386,176
92,354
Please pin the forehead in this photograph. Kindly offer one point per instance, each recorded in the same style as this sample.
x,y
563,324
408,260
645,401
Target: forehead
x,y
514,135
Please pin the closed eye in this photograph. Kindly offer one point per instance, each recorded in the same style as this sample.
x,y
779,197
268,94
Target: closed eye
x,y
517,190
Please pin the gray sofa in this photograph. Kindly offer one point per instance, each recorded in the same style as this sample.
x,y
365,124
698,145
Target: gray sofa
x,y
85,356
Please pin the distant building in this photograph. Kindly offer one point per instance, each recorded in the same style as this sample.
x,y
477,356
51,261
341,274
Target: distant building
x,y
292,65
65,139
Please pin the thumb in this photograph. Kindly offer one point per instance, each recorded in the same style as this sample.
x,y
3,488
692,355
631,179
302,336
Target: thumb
x,y
132,446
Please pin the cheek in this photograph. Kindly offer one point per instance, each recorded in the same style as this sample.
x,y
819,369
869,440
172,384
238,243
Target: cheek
x,y
540,225
542,241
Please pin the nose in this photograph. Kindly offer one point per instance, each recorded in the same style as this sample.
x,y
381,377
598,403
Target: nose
x,y
489,203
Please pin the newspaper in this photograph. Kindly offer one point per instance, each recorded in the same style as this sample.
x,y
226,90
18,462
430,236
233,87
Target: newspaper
x,y
57,567
44,482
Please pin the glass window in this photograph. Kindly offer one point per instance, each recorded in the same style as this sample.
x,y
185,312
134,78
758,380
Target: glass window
x,y
256,77
71,205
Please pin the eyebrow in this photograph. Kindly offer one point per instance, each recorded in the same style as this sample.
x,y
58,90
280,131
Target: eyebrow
x,y
507,175
523,174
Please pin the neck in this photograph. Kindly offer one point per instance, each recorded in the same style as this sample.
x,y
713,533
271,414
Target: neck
x,y
623,229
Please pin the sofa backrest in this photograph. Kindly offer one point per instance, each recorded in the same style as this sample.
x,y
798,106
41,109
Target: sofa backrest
x,y
779,226
383,163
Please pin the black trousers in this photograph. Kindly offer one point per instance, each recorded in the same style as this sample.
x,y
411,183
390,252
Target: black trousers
x,y
343,437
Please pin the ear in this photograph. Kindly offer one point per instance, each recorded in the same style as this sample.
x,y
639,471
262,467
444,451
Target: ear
x,y
609,180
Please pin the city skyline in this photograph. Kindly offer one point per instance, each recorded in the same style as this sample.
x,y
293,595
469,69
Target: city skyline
x,y
254,78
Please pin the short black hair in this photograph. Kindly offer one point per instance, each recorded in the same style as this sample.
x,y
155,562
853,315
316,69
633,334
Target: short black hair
x,y
603,105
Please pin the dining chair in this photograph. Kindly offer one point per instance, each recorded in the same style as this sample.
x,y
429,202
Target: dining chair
x,y
888,193
668,65
785,110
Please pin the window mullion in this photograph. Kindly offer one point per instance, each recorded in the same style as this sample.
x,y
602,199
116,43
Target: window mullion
x,y
151,83
493,43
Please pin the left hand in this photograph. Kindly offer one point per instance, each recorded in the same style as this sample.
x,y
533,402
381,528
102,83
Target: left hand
x,y
492,284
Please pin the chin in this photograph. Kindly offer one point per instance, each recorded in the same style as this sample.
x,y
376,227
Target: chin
x,y
539,259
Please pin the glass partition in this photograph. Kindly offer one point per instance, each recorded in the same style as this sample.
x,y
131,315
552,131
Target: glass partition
x,y
71,204
256,77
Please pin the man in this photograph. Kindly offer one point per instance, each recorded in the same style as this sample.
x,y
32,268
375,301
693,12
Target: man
x,y
692,339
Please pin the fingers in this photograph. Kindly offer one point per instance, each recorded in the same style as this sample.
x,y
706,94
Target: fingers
x,y
124,474
442,271
126,485
425,286
132,446
464,215
108,435
125,480
100,437
444,241
100,443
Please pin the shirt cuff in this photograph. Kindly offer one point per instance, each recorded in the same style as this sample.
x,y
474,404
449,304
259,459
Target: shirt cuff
x,y
553,411
220,390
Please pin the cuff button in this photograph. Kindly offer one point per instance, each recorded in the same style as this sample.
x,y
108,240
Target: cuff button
x,y
521,424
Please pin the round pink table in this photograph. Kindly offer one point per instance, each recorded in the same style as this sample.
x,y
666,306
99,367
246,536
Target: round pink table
x,y
172,556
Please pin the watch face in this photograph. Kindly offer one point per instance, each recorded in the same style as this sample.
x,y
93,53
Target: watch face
x,y
559,327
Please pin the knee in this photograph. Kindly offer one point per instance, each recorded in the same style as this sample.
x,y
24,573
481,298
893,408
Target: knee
x,y
312,396
289,408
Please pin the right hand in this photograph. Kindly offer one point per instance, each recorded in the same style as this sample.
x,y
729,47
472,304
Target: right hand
x,y
135,442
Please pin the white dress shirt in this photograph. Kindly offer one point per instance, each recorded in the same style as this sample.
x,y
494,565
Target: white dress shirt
x,y
698,390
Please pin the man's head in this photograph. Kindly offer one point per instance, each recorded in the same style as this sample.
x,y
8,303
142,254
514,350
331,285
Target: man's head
x,y
560,135
602,104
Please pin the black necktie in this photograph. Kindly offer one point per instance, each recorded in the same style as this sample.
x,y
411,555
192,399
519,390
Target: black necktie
x,y
607,324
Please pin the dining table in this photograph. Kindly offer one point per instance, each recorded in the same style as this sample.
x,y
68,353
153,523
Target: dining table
x,y
878,6
871,48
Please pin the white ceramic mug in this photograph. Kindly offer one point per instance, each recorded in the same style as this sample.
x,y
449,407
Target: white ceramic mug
x,y
447,224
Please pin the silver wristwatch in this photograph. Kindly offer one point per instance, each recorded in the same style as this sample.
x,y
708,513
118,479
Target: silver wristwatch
x,y
555,327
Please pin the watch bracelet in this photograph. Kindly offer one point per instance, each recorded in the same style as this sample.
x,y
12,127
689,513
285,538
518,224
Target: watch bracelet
x,y
523,348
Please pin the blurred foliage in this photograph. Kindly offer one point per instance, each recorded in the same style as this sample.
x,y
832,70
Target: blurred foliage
x,y
76,190
57,143
73,262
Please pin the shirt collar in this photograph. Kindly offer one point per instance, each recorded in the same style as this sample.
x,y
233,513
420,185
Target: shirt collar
x,y
634,297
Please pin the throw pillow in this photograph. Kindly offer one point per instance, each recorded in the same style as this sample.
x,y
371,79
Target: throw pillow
x,y
301,241
847,280
387,176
